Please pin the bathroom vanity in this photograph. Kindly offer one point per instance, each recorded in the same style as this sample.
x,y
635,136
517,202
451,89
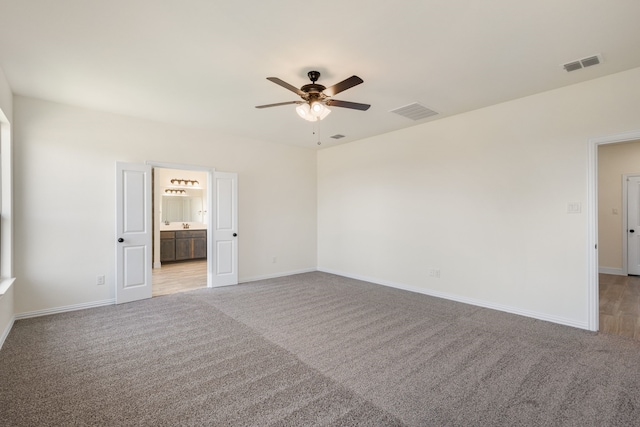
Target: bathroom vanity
x,y
182,245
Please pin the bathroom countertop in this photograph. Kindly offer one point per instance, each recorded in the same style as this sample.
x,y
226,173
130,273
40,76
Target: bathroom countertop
x,y
178,227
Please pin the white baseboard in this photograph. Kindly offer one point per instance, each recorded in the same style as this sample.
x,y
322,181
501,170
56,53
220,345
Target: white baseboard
x,y
64,309
611,270
5,333
458,298
273,276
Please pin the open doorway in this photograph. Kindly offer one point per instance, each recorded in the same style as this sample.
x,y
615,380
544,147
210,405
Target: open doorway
x,y
180,230
618,209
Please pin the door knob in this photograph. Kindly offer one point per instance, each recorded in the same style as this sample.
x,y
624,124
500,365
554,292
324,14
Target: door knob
x,y
632,231
120,240
235,234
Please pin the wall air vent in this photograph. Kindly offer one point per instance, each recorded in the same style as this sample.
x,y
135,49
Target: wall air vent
x,y
337,136
414,111
582,63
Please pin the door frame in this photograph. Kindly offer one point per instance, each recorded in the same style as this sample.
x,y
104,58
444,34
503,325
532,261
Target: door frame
x,y
210,206
593,315
625,219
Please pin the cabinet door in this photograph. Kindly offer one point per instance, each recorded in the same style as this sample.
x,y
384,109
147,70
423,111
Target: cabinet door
x,y
183,249
200,248
167,250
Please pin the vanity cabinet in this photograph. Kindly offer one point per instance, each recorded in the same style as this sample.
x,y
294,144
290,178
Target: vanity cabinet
x,y
183,245
167,246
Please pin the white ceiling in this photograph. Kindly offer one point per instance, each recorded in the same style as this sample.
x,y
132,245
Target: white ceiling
x,y
204,63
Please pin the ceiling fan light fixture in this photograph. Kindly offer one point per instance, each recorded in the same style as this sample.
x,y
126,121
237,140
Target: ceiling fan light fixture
x,y
316,108
319,110
304,111
325,112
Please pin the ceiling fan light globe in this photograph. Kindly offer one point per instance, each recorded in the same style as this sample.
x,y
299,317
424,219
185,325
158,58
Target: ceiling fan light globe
x,y
317,108
304,111
325,113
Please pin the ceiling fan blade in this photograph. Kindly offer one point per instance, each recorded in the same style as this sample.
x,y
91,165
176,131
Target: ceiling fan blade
x,y
279,103
286,85
347,104
343,85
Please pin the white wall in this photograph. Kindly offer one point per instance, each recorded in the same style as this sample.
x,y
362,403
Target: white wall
x,y
482,196
65,192
614,160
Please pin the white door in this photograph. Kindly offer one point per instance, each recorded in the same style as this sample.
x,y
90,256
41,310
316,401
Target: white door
x,y
133,232
633,225
225,229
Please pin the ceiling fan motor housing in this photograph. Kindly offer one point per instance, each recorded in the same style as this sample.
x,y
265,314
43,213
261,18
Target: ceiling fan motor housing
x,y
313,76
313,89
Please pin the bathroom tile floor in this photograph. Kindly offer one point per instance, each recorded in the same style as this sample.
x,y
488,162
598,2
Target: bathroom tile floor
x,y
179,277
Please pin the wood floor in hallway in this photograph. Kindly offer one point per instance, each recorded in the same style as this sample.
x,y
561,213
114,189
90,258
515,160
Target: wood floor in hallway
x,y
620,305
179,277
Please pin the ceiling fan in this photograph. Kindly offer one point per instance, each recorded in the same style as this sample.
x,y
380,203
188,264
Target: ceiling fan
x,y
316,97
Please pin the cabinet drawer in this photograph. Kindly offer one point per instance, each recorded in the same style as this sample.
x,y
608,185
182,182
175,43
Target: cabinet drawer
x,y
188,234
167,234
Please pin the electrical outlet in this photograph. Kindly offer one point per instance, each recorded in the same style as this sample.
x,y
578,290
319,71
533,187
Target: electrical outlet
x,y
100,279
434,272
274,259
437,273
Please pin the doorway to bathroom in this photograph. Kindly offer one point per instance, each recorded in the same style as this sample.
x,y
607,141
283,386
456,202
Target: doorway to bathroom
x,y
180,221
139,223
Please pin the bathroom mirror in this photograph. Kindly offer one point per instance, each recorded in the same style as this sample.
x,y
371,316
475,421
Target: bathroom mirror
x,y
183,208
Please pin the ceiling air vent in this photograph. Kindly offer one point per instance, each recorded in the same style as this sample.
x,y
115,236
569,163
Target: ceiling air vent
x,y
414,111
592,60
582,63
337,136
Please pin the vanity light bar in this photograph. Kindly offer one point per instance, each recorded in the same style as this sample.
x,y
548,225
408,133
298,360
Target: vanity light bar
x,y
177,181
175,191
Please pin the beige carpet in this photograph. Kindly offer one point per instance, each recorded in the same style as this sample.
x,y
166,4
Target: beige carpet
x,y
312,349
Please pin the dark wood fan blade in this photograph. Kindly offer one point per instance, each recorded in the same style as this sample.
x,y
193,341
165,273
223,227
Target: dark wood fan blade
x,y
343,85
279,103
347,104
286,85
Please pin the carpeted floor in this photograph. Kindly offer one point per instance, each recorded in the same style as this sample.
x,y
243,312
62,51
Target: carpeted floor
x,y
312,349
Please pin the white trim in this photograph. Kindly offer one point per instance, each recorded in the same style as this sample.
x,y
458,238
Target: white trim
x,y
5,333
275,275
180,166
592,221
611,270
625,219
465,300
6,213
5,284
211,208
64,309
